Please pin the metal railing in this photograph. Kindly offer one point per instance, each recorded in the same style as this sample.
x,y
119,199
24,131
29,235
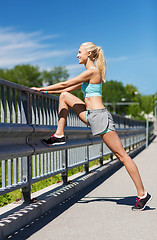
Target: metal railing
x,y
26,117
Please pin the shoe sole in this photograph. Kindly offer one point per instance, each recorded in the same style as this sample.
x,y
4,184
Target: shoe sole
x,y
49,145
144,205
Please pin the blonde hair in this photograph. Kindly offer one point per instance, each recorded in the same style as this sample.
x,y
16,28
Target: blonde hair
x,y
98,56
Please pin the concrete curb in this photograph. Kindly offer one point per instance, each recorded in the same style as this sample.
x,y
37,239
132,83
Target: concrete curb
x,y
15,216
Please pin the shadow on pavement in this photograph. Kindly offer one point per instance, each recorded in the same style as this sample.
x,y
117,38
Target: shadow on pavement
x,y
43,220
129,201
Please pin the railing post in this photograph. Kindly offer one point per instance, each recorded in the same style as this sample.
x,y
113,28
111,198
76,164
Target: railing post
x,y
26,161
111,156
133,145
86,166
101,155
64,175
25,108
147,131
27,176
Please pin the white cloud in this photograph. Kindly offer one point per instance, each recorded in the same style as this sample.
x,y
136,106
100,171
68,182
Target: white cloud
x,y
75,67
118,59
22,48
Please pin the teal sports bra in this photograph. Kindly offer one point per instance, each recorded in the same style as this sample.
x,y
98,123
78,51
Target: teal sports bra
x,y
92,89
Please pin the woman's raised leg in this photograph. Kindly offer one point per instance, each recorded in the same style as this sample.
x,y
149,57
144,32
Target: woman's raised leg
x,y
67,100
112,140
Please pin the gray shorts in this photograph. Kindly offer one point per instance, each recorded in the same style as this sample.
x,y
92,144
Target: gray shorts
x,y
100,121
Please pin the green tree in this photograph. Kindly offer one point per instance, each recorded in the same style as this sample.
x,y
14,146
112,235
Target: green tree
x,y
57,74
26,75
5,74
135,112
29,76
113,92
131,93
78,93
147,103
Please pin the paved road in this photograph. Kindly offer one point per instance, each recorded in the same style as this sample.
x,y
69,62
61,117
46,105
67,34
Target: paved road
x,y
104,211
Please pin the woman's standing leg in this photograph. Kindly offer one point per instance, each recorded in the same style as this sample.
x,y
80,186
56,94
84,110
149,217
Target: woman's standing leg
x,y
112,140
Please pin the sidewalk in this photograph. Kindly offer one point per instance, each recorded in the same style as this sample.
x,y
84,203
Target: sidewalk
x,y
103,212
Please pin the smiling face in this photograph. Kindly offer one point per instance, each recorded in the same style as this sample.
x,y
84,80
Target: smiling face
x,y
82,55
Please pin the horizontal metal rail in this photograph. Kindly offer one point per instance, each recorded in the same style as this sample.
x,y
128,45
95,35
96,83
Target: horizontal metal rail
x,y
26,117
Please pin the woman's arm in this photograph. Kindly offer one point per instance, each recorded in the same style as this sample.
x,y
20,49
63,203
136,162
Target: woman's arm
x,y
83,77
69,89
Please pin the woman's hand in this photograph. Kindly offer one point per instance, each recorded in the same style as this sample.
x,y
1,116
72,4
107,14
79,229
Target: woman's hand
x,y
36,89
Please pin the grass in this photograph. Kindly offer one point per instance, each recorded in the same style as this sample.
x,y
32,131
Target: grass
x,y
12,196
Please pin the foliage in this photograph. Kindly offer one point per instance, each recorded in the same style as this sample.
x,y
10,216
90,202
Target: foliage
x,y
131,93
29,76
113,91
135,112
26,75
5,199
57,74
147,103
79,94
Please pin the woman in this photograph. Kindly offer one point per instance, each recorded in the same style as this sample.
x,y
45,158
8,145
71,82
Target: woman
x,y
92,112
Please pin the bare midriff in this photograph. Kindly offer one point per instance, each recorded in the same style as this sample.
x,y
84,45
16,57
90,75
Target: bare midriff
x,y
94,103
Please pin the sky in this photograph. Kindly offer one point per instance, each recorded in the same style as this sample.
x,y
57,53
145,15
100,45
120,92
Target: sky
x,y
49,33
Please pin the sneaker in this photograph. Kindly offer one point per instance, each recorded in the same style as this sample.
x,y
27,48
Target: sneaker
x,y
141,203
54,141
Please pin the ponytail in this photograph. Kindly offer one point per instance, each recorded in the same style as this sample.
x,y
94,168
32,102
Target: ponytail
x,y
101,63
98,56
